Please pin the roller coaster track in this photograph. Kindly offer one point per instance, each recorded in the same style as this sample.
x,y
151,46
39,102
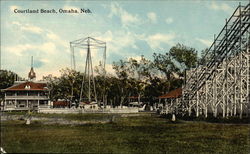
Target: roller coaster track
x,y
232,41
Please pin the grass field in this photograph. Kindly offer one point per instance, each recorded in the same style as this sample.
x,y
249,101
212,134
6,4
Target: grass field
x,y
146,133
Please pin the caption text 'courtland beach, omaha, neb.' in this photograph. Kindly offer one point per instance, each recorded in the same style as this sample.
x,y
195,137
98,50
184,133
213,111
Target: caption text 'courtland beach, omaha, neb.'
x,y
82,10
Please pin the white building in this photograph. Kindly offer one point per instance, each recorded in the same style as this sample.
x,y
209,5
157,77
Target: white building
x,y
25,95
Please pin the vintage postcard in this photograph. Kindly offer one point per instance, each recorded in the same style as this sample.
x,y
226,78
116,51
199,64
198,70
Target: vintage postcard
x,y
117,76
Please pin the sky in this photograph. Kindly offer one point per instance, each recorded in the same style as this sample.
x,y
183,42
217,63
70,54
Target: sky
x,y
129,28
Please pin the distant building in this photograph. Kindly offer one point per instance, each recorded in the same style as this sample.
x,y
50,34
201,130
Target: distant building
x,y
169,102
61,103
174,94
25,95
89,105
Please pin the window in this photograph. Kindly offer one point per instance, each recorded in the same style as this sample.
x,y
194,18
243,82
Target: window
x,y
32,93
32,102
43,102
9,93
22,93
42,94
27,87
11,102
21,104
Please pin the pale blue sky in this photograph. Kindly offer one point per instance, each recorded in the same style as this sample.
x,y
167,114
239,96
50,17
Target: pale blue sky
x,y
131,29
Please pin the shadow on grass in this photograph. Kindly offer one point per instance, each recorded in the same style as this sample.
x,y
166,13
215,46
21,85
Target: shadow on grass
x,y
210,118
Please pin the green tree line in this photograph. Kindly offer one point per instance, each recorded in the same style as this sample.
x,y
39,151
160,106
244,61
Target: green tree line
x,y
7,79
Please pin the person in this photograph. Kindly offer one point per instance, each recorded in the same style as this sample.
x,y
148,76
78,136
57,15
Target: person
x,y
173,117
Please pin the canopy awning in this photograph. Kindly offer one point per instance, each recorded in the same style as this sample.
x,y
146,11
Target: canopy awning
x,y
172,94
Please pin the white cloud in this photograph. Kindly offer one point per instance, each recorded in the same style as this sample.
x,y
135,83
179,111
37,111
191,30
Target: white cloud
x,y
52,36
13,7
127,19
207,43
50,66
28,27
16,23
223,7
47,47
117,41
55,38
155,41
226,7
138,58
82,52
18,49
45,60
31,28
152,17
169,20
45,72
50,51
114,8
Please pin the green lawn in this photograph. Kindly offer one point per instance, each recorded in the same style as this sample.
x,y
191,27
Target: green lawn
x,y
147,133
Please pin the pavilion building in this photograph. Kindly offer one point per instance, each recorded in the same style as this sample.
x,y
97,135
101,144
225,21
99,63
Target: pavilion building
x,y
26,95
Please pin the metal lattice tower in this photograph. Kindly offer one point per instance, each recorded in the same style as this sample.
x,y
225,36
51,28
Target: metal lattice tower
x,y
222,83
88,44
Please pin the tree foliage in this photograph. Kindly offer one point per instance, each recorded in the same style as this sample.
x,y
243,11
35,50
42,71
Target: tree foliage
x,y
165,65
7,79
206,56
185,56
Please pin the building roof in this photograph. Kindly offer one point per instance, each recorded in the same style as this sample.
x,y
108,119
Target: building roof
x,y
172,94
29,86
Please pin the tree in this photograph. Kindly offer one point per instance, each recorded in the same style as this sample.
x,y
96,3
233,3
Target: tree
x,y
142,75
123,71
167,67
7,79
185,56
164,64
147,69
67,86
206,56
156,87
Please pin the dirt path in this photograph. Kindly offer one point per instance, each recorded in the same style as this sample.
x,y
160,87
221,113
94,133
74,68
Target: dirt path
x,y
50,121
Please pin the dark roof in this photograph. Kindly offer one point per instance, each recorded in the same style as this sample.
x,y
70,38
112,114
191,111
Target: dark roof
x,y
172,94
29,86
